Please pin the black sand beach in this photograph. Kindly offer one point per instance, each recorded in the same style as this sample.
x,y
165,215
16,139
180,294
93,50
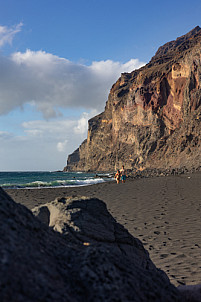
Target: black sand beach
x,y
163,212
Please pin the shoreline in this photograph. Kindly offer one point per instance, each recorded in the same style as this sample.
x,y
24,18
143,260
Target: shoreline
x,y
163,212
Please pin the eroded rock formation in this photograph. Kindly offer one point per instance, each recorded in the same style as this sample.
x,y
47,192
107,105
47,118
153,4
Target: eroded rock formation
x,y
152,116
91,258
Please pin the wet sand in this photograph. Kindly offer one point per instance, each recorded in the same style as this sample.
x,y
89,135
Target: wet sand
x,y
163,212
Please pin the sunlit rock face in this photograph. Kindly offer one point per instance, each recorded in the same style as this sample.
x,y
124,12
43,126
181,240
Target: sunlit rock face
x,y
152,115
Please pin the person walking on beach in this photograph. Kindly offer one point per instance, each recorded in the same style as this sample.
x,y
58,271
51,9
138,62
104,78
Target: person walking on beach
x,y
123,174
117,176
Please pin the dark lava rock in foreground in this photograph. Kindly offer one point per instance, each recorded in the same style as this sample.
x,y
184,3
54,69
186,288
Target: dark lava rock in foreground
x,y
89,258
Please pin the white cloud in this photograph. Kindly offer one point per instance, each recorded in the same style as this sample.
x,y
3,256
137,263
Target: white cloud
x,y
51,82
49,129
43,145
5,135
7,33
61,146
99,68
58,129
82,123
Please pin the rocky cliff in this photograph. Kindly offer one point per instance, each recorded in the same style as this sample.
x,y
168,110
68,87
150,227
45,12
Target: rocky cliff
x,y
152,116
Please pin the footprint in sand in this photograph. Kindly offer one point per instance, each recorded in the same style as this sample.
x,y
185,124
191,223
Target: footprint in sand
x,y
163,256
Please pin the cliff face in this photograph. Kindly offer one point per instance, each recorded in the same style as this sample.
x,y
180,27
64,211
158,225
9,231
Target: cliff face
x,y
152,116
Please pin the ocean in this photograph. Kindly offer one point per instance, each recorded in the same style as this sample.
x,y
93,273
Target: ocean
x,y
17,180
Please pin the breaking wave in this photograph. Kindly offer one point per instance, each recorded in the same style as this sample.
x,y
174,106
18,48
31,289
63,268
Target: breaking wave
x,y
47,181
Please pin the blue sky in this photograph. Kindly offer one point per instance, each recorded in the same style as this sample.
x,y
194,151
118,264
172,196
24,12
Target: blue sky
x,y
58,61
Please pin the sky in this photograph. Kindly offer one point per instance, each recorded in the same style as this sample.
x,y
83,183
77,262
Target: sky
x,y
58,61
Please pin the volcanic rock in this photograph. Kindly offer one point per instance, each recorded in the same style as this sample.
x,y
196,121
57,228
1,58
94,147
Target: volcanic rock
x,y
152,118
91,258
